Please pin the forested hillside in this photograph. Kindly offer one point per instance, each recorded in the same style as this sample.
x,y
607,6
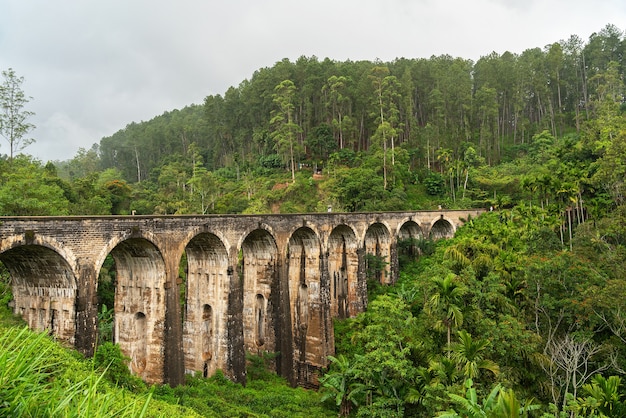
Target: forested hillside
x,y
521,314
409,129
423,106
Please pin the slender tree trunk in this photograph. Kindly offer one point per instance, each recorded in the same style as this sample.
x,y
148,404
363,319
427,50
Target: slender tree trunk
x,y
558,92
581,210
428,152
465,182
382,121
138,168
293,163
584,85
569,221
384,163
452,186
340,131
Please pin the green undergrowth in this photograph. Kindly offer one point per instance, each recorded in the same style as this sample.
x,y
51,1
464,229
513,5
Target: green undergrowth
x,y
219,397
265,395
41,378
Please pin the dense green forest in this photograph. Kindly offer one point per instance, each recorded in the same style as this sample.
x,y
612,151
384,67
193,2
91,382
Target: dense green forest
x,y
522,313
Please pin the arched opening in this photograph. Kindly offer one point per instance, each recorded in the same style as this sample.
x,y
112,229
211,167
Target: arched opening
x,y
343,264
106,300
441,229
303,255
410,242
138,273
44,289
258,267
304,274
378,254
205,304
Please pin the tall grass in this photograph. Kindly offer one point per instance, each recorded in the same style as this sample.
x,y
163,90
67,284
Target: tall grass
x,y
24,369
38,380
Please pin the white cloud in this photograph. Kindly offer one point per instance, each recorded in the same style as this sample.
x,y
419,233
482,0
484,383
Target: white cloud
x,y
63,134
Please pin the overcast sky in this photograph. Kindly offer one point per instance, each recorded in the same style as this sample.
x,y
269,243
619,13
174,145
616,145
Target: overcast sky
x,y
92,67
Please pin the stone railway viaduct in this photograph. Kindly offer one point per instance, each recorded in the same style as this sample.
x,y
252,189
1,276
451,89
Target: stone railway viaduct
x,y
258,283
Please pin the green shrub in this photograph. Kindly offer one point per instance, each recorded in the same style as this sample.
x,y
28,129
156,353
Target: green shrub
x,y
110,360
435,184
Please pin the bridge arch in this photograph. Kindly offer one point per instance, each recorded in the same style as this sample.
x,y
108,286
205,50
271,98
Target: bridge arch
x,y
258,270
409,233
377,245
114,241
44,287
441,228
343,265
206,304
139,306
305,294
32,238
261,227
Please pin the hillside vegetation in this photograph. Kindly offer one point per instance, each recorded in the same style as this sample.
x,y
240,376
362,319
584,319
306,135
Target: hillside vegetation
x,y
522,313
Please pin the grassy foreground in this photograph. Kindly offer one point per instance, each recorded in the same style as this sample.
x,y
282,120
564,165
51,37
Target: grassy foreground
x,y
41,378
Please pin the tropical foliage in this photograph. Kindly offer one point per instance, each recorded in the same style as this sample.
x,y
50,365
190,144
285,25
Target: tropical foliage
x,y
522,313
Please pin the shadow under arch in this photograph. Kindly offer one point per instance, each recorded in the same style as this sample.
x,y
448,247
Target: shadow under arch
x,y
377,246
409,236
307,312
258,268
442,228
343,265
44,289
205,333
139,307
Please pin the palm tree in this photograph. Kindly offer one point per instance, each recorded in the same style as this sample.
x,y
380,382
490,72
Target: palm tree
x,y
340,383
467,252
444,371
445,304
468,353
500,402
603,396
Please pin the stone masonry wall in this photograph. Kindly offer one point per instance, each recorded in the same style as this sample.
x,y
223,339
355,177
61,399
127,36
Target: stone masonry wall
x,y
256,283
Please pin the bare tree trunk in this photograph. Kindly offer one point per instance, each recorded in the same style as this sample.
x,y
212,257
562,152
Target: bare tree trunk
x,y
569,221
293,163
574,359
465,182
428,152
584,85
138,168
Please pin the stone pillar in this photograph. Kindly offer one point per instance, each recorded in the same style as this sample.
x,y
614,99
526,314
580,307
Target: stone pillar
x,y
426,228
283,325
328,331
361,302
86,322
236,352
393,261
174,367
